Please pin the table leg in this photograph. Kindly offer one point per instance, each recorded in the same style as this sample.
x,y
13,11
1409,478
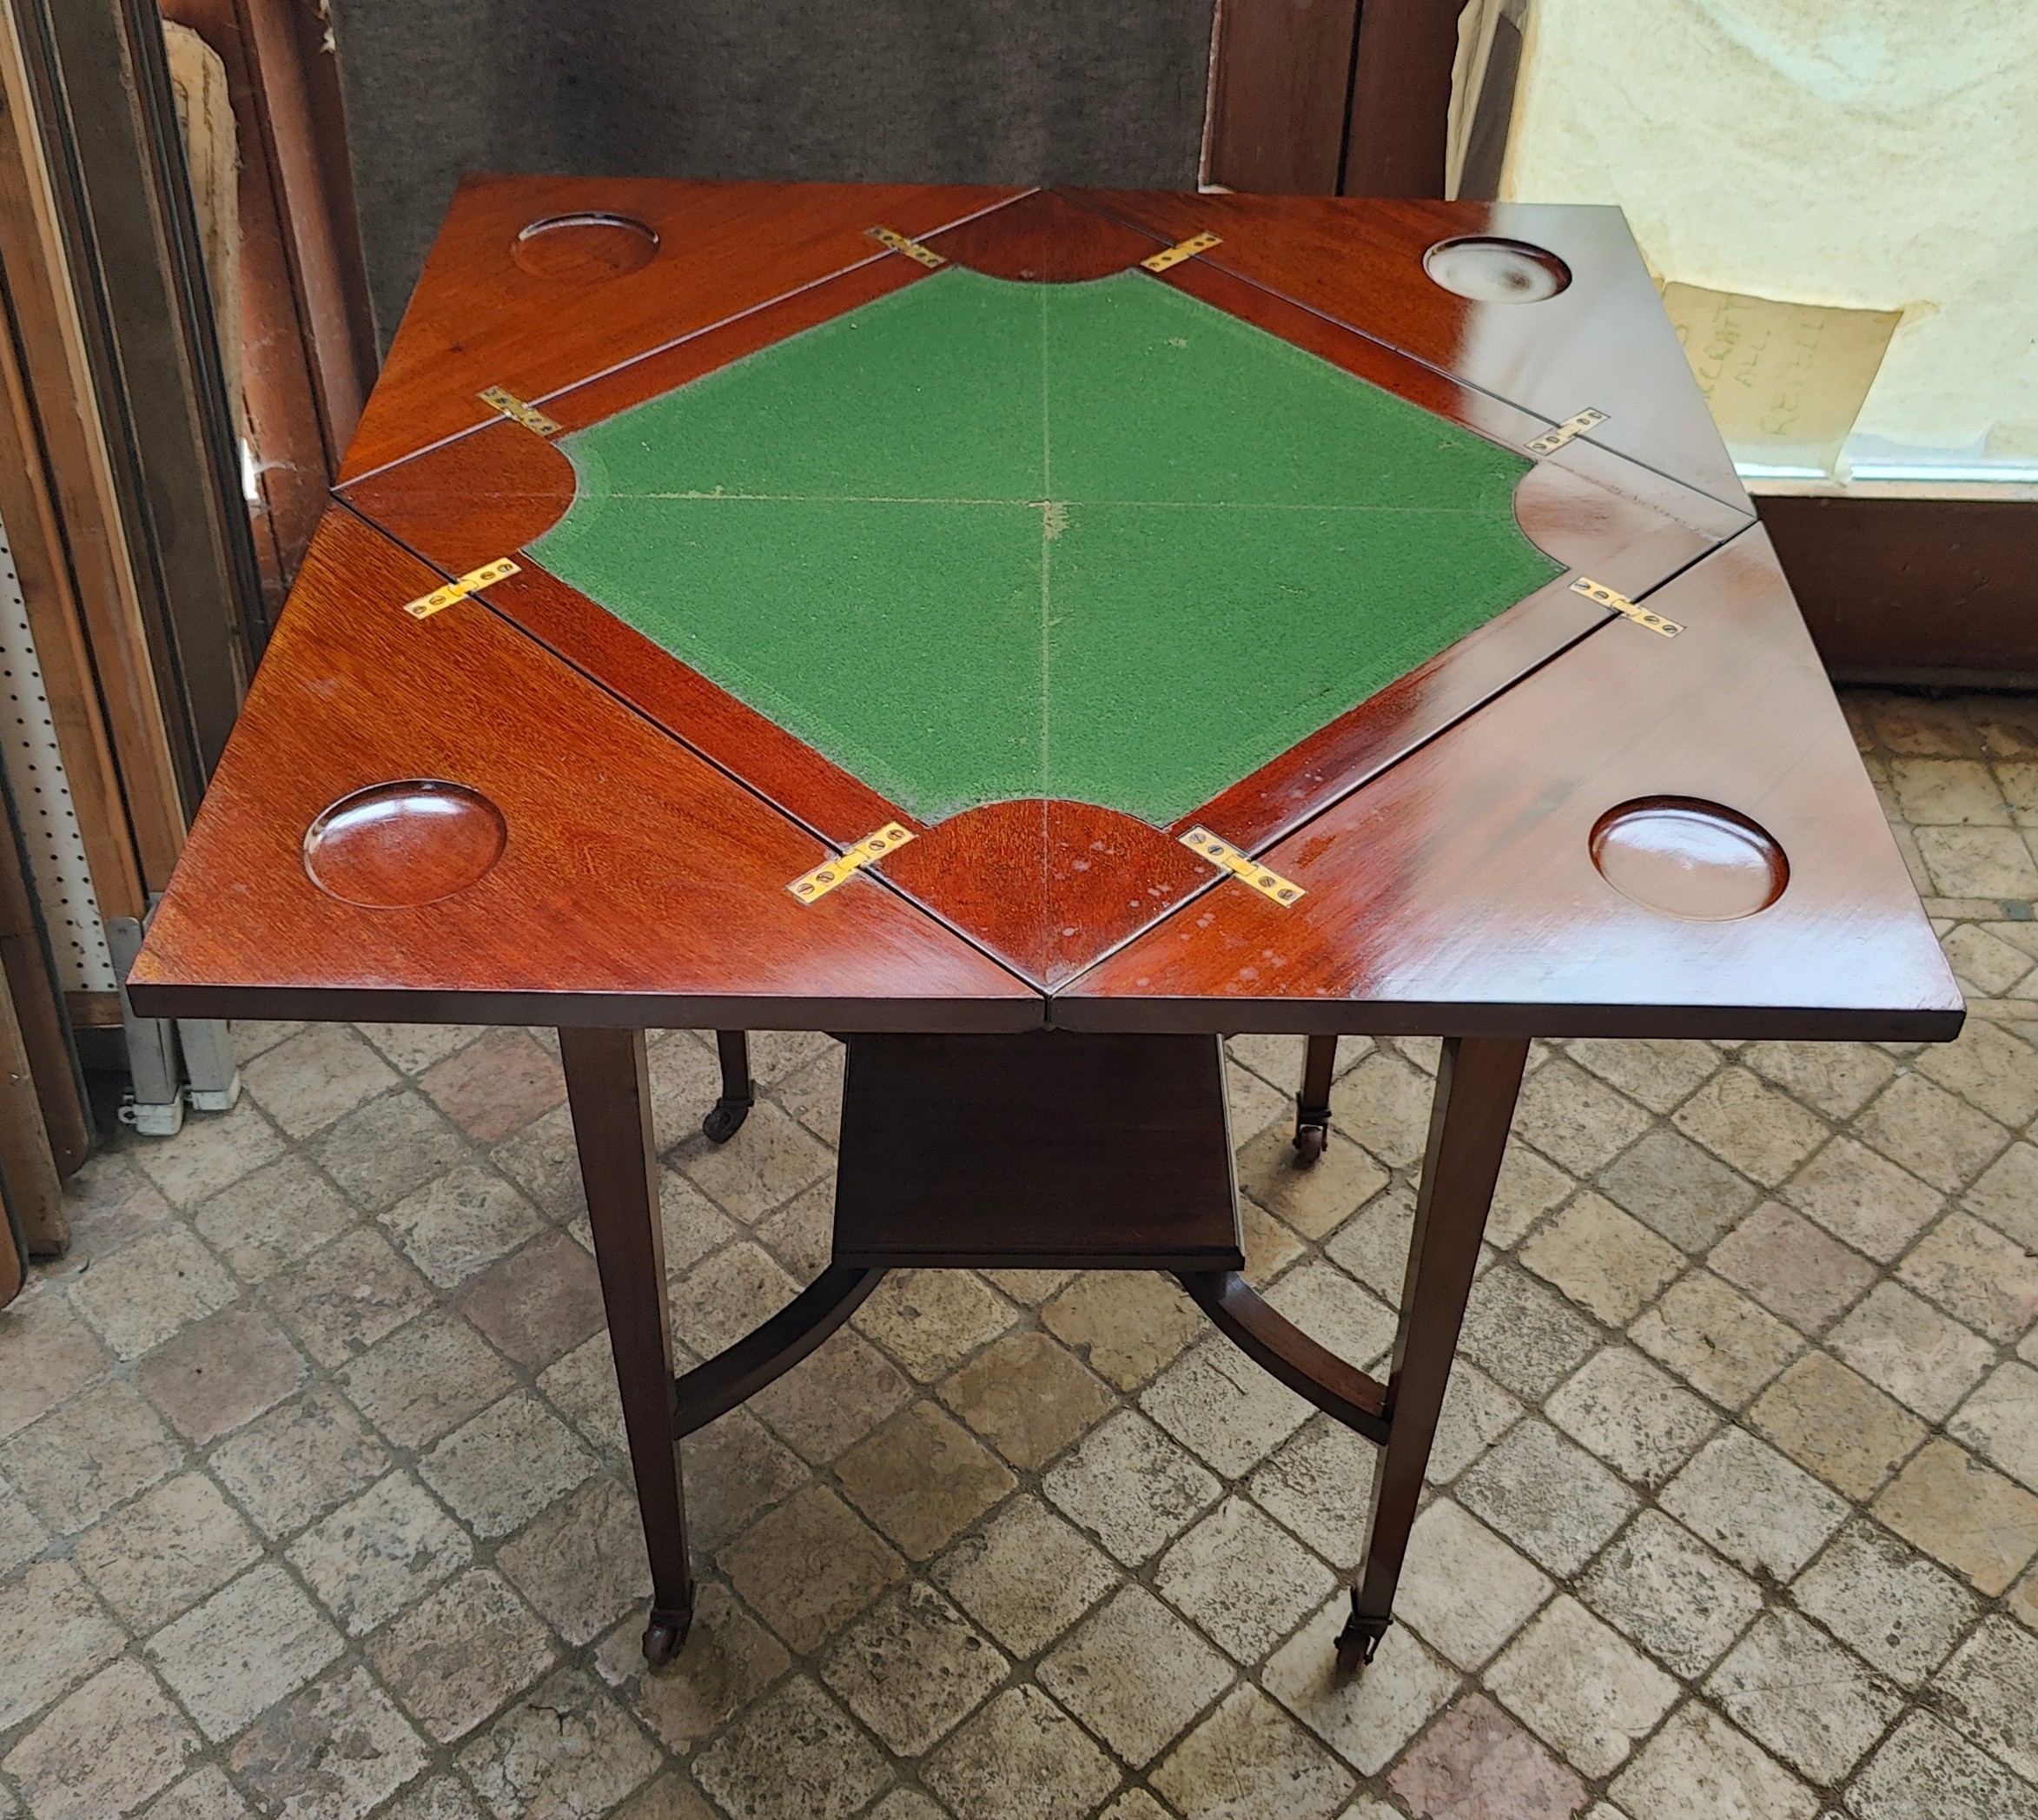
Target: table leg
x,y
739,1093
1319,1066
608,1086
1478,1079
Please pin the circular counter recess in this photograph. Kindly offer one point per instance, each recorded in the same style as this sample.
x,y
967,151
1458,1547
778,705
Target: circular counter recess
x,y
1496,271
394,846
1686,857
585,248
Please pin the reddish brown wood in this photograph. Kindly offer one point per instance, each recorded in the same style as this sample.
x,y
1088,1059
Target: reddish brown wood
x,y
1045,238
1398,127
638,886
1456,891
1281,81
479,318
1603,343
1274,1343
764,1355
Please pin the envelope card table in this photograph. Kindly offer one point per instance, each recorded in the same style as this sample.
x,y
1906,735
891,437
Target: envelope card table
x,y
1033,634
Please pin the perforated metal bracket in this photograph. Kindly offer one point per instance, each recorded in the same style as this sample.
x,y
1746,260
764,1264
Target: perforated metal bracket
x,y
825,879
1604,595
912,248
517,411
471,583
1180,250
1242,866
1552,440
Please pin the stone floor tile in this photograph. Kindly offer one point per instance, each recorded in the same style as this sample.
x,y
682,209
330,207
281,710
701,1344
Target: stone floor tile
x,y
1977,1275
801,1235
502,1468
1750,1126
1934,1135
1662,1074
1986,1691
1028,1396
912,1668
1243,1579
1948,792
244,1649
922,1479
685,1081
930,1321
1131,1805
1125,1325
1580,1688
1553,1501
1928,726
1475,1413
415,1047
691,1227
495,1086
1698,1767
1315,1201
209,1154
1383,1105
298,1461
1988,1068
379,1152
457,1226
443,1797
2000,1422
2005,726
52,1634
220,1373
1745,1499
1926,1771
1905,1345
1527,1188
1135,1674
536,1303
582,1563
341,1299
582,1388
1715,1338
1836,1078
332,1752
1249,1761
1463,1589
1676,1189
764,1166
1791,1268
1886,1602
541,1160
1633,1415
1836,1425
1029,1287
103,1752
145,1292
166,1551
108,1201
269,1218
795,1756
51,1355
732,1469
22,1539
1864,1199
1523,1333
97,1452
566,1748
2007,1194
309,1080
1020,1758
1575,1120
1317,1484
1983,964
1224,1407
833,1398
452,1659
205,1794
1790,1686
1979,863
1026,1576
1476,1763
726,1662
1660,1585
1131,1486
1602,1259
1335,1312
1962,1514
1254,1104
425,1380
381,1551
1373,1245
1365,1719
812,1093
809,1566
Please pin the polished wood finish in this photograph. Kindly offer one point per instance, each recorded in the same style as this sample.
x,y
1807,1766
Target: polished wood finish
x,y
1048,1152
608,1086
1281,1349
1045,238
738,1373
1280,81
1456,892
1399,125
639,886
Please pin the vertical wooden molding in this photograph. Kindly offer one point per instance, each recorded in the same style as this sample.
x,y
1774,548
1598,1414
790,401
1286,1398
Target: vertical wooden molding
x,y
1280,74
1400,125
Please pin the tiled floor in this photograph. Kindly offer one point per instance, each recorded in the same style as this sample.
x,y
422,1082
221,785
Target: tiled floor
x,y
311,1500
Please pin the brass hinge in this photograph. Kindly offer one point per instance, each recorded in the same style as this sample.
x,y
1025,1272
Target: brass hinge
x,y
475,579
1180,250
825,879
1620,603
912,248
517,411
1222,853
1551,441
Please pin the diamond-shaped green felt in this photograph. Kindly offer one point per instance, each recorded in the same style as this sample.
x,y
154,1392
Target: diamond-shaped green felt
x,y
982,540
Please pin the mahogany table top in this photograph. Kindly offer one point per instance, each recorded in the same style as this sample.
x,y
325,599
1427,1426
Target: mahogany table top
x,y
1631,810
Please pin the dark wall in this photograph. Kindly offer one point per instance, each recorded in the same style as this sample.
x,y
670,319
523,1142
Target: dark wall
x,y
1096,91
